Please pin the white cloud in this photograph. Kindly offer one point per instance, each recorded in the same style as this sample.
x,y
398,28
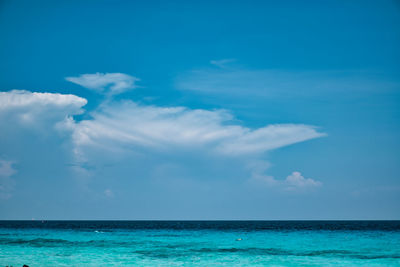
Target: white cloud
x,y
297,181
129,124
268,138
6,182
293,182
108,83
28,134
31,107
24,99
116,125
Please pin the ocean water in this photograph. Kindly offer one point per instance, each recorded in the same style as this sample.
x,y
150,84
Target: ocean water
x,y
200,243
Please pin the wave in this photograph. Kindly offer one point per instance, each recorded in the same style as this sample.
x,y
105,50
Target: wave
x,y
156,249
283,252
51,242
171,253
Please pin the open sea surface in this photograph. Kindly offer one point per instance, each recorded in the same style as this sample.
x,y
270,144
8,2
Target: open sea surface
x,y
200,243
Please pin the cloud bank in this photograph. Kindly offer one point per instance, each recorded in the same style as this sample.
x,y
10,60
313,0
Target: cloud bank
x,y
122,139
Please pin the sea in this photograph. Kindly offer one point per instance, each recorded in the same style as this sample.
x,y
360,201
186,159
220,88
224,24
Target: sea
x,y
199,243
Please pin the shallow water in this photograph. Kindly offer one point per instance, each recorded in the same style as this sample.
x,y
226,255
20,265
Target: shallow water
x,y
179,243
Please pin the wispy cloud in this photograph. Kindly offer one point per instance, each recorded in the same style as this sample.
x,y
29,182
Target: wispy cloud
x,y
270,83
107,83
222,63
128,123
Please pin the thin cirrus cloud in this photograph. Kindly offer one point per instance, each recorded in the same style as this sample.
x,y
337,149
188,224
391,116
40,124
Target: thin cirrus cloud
x,y
222,63
108,83
274,83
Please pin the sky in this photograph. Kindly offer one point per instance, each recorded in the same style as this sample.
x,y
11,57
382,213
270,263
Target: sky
x,y
210,110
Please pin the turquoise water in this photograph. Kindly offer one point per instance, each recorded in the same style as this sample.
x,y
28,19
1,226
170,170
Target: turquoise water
x,y
166,245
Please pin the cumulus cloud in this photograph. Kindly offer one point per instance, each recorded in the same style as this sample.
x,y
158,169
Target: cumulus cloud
x,y
128,123
24,99
6,182
28,134
296,181
108,83
293,182
29,107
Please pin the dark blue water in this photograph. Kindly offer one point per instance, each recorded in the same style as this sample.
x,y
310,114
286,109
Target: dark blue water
x,y
202,243
207,225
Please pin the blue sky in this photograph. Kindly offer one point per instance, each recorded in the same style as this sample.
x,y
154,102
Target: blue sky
x,y
199,110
